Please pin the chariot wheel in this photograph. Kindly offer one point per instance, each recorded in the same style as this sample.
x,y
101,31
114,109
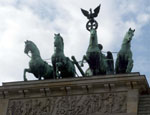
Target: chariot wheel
x,y
91,24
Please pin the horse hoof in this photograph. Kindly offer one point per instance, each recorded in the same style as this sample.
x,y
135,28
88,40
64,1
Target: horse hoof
x,y
25,80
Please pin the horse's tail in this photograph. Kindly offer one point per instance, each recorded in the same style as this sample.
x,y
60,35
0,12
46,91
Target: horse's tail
x,y
130,65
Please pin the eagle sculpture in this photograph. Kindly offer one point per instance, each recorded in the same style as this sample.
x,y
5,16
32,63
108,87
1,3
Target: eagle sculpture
x,y
90,15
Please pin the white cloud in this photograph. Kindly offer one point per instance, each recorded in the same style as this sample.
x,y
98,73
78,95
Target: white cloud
x,y
18,26
143,18
38,21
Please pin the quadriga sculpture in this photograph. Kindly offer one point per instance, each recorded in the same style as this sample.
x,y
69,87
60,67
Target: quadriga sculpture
x,y
94,57
63,66
37,66
124,62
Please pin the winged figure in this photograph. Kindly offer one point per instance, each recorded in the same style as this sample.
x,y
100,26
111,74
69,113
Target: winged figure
x,y
90,15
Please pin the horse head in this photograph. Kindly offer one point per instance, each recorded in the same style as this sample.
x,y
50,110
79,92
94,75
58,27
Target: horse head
x,y
27,46
93,34
31,47
129,35
58,42
93,38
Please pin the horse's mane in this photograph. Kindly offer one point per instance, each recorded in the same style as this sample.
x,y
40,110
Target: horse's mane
x,y
124,39
62,40
33,44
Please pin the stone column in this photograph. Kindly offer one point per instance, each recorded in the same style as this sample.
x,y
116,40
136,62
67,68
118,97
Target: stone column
x,y
3,106
132,101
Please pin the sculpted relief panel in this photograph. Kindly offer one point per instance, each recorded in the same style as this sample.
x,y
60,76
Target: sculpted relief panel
x,y
70,105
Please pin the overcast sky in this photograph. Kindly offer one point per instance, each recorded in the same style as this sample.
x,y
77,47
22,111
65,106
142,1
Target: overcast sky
x,y
38,20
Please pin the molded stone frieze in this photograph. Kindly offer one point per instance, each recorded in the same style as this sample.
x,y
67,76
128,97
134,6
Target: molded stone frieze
x,y
70,105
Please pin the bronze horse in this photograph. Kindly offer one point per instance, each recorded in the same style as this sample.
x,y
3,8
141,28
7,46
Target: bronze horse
x,y
124,62
63,66
94,57
37,66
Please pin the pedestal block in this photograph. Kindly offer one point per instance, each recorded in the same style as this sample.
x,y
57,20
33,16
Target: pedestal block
x,y
95,95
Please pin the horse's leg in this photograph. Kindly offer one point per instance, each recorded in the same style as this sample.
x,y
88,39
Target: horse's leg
x,y
57,72
129,66
24,75
49,74
54,72
39,76
104,64
117,65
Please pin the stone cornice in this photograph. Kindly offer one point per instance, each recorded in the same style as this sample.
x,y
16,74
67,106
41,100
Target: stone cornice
x,y
71,86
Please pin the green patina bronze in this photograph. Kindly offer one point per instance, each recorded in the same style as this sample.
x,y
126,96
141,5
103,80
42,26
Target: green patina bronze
x,y
92,23
124,62
37,66
99,64
94,57
110,63
63,66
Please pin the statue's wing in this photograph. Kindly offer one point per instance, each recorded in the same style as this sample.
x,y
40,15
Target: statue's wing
x,y
85,13
96,11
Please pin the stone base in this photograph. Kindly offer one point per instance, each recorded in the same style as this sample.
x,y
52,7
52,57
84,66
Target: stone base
x,y
96,95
